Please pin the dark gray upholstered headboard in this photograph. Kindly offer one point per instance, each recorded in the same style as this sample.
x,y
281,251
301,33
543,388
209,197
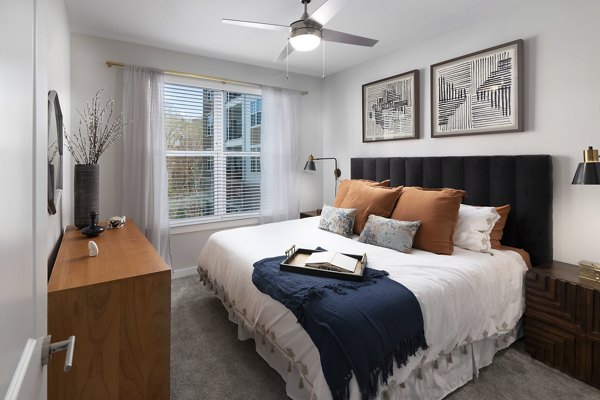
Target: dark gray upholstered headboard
x,y
524,182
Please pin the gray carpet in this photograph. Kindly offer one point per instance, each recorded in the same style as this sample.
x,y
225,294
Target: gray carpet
x,y
209,362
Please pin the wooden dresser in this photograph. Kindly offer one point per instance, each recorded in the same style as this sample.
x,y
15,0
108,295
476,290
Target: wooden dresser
x,y
118,306
562,320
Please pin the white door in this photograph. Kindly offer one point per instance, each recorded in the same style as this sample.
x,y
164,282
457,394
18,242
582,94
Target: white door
x,y
23,218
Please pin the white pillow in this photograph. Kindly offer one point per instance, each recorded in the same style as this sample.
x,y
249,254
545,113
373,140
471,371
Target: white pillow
x,y
473,228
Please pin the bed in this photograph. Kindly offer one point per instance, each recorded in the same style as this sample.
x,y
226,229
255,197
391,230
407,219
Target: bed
x,y
471,302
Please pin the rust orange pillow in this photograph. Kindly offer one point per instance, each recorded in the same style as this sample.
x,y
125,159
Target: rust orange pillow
x,y
346,184
438,212
498,230
369,200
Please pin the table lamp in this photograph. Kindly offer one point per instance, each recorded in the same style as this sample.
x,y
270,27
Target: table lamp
x,y
588,173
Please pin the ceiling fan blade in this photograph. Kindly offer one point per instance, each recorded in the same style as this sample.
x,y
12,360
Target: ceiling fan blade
x,y
341,37
259,25
327,11
284,53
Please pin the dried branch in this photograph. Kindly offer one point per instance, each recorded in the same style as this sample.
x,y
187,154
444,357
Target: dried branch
x,y
96,132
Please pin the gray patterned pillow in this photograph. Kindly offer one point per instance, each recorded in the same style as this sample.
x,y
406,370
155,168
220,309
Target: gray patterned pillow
x,y
337,220
390,233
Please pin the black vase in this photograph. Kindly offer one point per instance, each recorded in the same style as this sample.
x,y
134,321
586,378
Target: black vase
x,y
87,193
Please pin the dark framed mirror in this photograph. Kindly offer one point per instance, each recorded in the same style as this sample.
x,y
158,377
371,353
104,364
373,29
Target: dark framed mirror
x,y
55,151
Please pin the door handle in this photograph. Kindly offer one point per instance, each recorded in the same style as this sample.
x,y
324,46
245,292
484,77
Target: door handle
x,y
50,348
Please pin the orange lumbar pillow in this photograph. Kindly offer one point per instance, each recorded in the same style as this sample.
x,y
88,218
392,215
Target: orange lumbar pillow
x,y
369,200
346,184
438,212
498,230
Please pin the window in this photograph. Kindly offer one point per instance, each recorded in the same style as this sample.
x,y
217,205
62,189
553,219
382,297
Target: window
x,y
256,112
213,153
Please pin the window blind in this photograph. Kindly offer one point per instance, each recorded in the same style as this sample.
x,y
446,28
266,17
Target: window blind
x,y
212,142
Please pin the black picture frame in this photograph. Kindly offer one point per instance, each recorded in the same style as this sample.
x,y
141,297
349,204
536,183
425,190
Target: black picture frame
x,y
478,93
391,108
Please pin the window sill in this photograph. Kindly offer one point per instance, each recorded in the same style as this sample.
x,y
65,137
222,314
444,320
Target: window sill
x,y
178,228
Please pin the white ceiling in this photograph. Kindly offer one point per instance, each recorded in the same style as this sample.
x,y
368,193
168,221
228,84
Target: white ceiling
x,y
193,26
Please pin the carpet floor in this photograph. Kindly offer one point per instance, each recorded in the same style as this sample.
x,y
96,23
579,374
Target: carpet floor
x,y
208,362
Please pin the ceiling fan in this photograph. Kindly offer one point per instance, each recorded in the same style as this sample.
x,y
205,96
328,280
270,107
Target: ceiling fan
x,y
307,32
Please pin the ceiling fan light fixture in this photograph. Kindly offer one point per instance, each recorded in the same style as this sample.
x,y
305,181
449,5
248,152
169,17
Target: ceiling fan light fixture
x,y
305,39
307,32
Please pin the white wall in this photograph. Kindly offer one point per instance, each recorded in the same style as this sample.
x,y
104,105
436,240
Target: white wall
x,y
16,142
90,73
561,105
59,79
23,177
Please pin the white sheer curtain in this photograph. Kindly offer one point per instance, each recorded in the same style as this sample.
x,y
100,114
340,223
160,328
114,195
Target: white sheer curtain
x,y
145,197
279,156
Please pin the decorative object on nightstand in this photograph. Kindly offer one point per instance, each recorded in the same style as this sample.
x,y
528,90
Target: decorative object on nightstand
x,y
562,320
93,229
588,172
95,134
308,214
93,249
116,222
310,167
589,270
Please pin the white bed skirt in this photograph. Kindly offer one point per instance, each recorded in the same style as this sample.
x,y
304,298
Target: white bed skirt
x,y
430,381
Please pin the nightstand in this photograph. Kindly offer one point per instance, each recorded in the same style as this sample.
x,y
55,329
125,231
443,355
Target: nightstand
x,y
562,320
308,214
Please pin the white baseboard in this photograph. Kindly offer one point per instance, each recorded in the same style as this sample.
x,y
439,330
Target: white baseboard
x,y
183,272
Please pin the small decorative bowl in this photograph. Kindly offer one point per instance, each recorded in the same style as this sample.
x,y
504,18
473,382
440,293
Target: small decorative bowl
x,y
92,231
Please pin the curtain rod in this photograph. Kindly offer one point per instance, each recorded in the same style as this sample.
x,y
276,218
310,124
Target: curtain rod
x,y
110,64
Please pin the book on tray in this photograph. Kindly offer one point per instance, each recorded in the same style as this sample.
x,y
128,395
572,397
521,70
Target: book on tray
x,y
331,260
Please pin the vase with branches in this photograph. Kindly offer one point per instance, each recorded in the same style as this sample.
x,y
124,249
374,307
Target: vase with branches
x,y
97,131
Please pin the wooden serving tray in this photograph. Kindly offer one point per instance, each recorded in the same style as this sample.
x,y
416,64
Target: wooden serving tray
x,y
296,259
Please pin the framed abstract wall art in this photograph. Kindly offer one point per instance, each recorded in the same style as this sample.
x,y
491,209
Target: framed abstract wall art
x,y
478,93
390,108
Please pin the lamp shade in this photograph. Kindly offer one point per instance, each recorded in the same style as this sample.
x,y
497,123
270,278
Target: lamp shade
x,y
310,166
306,42
305,38
588,173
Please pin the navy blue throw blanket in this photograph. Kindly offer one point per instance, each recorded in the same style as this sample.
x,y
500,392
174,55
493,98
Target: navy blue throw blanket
x,y
360,327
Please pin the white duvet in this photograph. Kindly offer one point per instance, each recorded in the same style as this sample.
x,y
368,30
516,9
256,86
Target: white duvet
x,y
465,297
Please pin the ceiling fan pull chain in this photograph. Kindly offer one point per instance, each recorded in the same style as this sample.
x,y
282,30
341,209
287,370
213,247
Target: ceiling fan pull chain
x,y
287,60
323,44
